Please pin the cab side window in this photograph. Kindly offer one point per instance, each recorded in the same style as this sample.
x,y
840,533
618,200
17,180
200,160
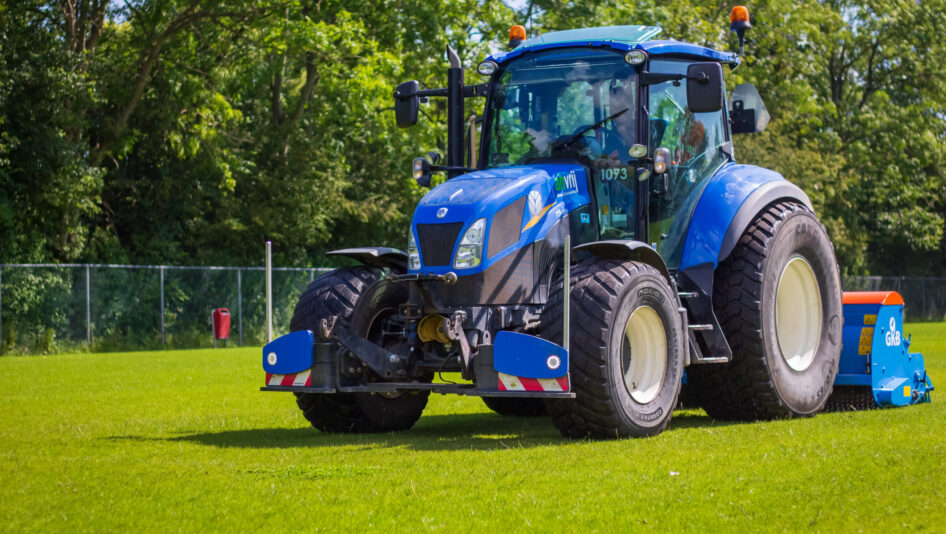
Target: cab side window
x,y
696,142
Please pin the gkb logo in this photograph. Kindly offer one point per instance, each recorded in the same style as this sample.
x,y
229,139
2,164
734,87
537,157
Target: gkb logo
x,y
566,184
892,337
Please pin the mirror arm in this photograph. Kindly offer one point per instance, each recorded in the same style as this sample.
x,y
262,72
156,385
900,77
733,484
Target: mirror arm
x,y
469,91
421,93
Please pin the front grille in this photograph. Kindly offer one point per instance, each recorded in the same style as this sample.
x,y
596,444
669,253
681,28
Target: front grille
x,y
436,242
506,227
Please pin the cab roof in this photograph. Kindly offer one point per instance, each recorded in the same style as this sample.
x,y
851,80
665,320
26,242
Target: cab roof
x,y
619,38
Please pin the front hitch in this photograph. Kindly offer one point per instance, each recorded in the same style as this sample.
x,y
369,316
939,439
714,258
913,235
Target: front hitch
x,y
385,363
454,330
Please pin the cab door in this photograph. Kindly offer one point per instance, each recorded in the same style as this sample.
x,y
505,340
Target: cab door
x,y
698,145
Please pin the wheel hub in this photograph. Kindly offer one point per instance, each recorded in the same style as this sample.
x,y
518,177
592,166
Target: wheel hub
x,y
798,314
644,354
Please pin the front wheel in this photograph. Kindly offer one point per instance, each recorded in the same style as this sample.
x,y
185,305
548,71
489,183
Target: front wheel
x,y
627,351
362,300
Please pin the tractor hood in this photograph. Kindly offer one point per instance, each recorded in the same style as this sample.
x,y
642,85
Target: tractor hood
x,y
518,203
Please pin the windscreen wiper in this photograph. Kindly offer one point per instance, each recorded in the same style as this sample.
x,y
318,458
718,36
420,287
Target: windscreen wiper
x,y
577,135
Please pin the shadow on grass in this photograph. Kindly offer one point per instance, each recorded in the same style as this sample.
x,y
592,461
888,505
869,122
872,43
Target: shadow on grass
x,y
480,431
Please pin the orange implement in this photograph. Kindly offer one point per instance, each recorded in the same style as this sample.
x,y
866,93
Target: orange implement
x,y
871,297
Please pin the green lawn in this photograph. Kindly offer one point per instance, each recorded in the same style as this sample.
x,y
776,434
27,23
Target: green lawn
x,y
162,441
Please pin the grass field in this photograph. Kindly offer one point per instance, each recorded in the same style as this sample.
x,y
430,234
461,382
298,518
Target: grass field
x,y
184,441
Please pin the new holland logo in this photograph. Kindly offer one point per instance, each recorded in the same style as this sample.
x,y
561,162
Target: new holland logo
x,y
441,213
535,203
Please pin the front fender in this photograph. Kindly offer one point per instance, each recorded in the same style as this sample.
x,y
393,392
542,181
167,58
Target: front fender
x,y
382,257
729,203
619,249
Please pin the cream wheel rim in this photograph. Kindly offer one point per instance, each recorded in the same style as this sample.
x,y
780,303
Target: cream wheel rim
x,y
798,314
644,354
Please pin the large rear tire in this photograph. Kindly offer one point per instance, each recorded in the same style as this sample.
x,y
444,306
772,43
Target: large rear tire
x,y
778,299
627,351
360,301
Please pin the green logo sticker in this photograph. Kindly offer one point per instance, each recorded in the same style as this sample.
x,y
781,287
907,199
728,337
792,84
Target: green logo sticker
x,y
566,184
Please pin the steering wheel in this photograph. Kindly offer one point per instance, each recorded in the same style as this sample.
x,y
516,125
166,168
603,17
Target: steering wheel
x,y
589,139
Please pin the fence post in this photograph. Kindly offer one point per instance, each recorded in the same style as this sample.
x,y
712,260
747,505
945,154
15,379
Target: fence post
x,y
240,303
88,307
926,315
269,291
1,309
161,271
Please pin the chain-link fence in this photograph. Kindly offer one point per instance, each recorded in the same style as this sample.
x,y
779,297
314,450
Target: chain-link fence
x,y
48,308
924,297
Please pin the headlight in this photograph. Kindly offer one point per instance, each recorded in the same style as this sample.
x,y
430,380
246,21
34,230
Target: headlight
x,y
413,258
487,68
470,251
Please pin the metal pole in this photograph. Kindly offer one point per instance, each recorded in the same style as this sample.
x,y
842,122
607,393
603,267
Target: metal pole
x,y
88,307
566,296
269,290
1,308
161,272
240,303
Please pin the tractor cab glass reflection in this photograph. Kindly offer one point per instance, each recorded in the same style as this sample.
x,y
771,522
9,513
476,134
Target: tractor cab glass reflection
x,y
576,104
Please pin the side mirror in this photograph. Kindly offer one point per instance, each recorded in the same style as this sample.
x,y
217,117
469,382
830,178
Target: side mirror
x,y
406,104
705,87
747,111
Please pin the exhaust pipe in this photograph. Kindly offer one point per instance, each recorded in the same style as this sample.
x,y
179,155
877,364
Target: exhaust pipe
x,y
455,113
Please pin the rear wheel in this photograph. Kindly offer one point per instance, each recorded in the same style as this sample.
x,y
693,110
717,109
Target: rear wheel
x,y
363,303
626,351
778,299
513,407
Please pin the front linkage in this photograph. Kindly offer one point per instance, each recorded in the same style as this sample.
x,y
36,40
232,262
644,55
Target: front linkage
x,y
336,361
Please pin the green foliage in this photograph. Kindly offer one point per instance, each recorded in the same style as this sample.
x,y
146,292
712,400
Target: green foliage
x,y
48,189
190,131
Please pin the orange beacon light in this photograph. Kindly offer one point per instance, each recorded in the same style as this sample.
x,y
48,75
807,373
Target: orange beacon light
x,y
517,34
739,23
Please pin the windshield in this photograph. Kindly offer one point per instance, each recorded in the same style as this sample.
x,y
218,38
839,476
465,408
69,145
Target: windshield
x,y
567,103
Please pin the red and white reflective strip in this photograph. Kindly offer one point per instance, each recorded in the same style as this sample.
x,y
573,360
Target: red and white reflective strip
x,y
295,379
519,383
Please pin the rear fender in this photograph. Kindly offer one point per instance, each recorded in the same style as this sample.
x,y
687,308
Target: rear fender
x,y
753,205
728,204
382,257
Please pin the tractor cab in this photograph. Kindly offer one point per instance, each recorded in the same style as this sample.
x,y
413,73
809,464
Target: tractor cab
x,y
644,121
618,103
573,104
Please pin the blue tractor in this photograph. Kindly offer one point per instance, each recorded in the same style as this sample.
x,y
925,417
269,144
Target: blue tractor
x,y
600,240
